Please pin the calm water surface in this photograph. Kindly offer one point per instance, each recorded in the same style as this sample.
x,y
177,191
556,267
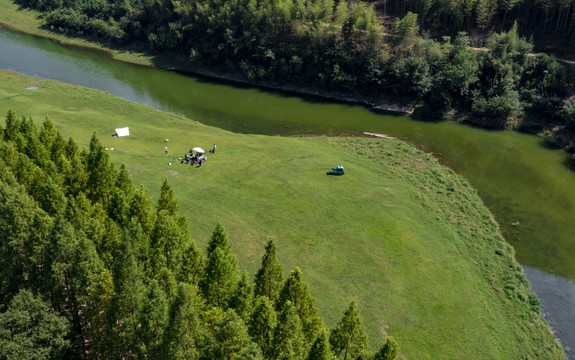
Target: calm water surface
x,y
525,185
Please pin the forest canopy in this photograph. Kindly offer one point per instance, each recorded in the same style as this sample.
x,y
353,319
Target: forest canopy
x,y
346,47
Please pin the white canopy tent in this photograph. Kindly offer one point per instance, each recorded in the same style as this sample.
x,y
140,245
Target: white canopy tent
x,y
120,132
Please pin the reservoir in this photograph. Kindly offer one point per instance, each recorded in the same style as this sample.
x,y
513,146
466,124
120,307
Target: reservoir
x,y
526,186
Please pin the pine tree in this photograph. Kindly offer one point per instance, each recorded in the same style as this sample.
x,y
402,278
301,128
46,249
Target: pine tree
x,y
297,293
167,199
219,239
87,279
183,334
289,339
127,303
220,279
262,323
269,278
29,329
348,339
321,350
141,210
168,240
193,263
52,198
25,230
242,300
388,351
153,320
231,337
101,173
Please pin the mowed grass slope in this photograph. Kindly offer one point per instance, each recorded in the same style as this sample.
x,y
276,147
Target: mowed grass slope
x,y
405,237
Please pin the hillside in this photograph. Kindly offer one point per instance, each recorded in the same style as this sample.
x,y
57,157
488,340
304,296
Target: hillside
x,y
405,237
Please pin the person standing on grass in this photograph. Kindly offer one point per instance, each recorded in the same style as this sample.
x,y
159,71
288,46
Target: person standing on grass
x,y
214,149
166,149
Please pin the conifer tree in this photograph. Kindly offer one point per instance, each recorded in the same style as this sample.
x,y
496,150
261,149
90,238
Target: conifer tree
x,y
12,124
348,339
184,332
52,198
242,300
289,339
24,228
251,352
101,173
231,337
48,134
193,263
168,240
269,278
220,279
58,257
29,329
167,200
262,323
219,239
297,293
87,278
153,320
127,303
321,349
388,351
141,210
124,181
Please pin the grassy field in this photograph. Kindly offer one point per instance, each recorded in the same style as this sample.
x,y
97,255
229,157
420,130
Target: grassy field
x,y
405,237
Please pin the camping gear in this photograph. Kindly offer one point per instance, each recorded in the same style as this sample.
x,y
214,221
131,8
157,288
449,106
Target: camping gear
x,y
198,149
336,171
120,132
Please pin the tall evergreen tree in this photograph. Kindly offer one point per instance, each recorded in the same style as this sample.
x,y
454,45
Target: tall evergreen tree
x,y
193,263
167,200
231,337
269,278
221,276
182,338
297,293
126,304
219,239
388,351
321,349
30,329
289,339
262,323
153,320
101,173
141,210
348,339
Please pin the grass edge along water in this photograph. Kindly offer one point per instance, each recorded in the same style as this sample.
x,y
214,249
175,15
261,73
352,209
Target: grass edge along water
x,y
407,238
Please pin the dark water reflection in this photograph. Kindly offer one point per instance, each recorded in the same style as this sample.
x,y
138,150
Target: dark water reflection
x,y
526,185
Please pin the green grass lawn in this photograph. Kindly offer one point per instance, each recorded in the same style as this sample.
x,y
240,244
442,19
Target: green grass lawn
x,y
405,237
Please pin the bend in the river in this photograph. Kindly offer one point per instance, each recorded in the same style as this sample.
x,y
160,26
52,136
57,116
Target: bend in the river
x,y
527,186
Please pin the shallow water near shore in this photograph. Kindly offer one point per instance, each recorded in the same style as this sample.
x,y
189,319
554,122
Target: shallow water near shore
x,y
525,185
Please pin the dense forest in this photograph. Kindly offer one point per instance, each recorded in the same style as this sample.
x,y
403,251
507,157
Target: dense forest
x,y
89,268
352,48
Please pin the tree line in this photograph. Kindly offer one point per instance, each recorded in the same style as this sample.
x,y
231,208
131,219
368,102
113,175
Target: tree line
x,y
343,46
90,269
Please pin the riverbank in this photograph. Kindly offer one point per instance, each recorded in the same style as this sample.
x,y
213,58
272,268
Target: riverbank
x,y
406,237
29,21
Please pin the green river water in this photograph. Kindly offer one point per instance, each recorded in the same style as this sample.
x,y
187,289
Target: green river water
x,y
525,185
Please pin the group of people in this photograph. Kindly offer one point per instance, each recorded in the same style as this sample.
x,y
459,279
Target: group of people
x,y
196,158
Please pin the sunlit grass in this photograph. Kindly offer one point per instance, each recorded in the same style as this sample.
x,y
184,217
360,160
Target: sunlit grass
x,y
407,238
